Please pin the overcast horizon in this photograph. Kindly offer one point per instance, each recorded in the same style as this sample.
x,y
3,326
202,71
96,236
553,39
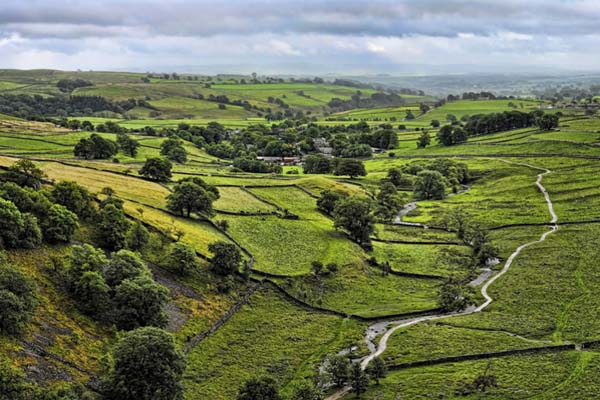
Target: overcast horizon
x,y
308,37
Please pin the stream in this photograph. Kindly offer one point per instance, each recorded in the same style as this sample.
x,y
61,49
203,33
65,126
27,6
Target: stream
x,y
486,277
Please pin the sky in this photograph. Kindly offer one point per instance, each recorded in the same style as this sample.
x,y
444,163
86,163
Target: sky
x,y
302,37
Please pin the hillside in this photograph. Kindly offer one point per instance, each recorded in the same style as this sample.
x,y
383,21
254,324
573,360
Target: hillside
x,y
527,195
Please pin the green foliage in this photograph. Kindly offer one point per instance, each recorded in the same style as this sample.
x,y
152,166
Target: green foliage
x,y
139,302
353,215
96,147
358,379
547,122
259,389
430,185
137,236
146,366
317,164
75,197
60,224
24,173
453,296
157,169
188,198
92,293
17,299
12,224
31,235
337,367
84,258
328,199
377,369
128,145
352,168
112,228
226,259
307,391
182,258
124,264
173,149
424,140
450,135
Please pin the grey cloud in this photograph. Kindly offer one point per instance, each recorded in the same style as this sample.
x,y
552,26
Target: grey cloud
x,y
350,17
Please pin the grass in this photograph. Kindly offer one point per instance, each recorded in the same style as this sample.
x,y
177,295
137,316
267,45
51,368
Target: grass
x,y
437,340
237,200
267,337
529,376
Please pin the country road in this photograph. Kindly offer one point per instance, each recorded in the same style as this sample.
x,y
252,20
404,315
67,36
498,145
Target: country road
x,y
382,326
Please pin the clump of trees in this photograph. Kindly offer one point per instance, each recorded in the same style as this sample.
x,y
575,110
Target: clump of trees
x,y
172,148
145,366
95,147
128,145
119,290
317,164
182,258
450,135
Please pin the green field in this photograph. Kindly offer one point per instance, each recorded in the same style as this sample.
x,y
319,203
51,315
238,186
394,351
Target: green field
x,y
548,297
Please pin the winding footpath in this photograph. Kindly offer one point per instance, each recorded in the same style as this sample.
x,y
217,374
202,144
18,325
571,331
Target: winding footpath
x,y
382,327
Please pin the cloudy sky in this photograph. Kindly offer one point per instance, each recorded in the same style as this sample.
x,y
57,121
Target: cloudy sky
x,y
296,36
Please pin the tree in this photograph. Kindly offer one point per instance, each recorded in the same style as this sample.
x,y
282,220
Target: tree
x,y
259,389
157,169
96,147
12,223
377,369
394,176
25,173
453,297
60,224
450,135
146,366
112,228
182,258
307,391
424,140
328,199
430,185
358,379
173,149
352,168
75,197
188,198
92,293
338,369
354,216
31,234
139,302
137,236
17,299
317,164
124,264
128,145
547,122
82,259
226,259
435,123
